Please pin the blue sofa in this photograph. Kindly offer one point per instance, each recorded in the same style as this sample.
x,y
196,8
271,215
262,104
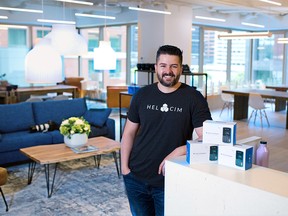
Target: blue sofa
x,y
16,120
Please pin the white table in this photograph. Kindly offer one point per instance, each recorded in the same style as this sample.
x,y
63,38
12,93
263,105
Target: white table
x,y
212,189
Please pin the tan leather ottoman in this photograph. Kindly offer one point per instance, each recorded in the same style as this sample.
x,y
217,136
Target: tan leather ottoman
x,y
3,180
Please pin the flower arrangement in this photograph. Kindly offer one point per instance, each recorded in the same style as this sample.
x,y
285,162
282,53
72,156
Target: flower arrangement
x,y
74,125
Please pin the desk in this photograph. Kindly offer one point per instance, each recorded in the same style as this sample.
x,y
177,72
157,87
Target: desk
x,y
22,93
197,74
241,97
212,189
278,88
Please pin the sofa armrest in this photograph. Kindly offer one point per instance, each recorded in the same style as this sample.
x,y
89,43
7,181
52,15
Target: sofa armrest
x,y
111,128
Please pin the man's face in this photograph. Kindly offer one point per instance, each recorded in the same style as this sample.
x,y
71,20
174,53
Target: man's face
x,y
168,69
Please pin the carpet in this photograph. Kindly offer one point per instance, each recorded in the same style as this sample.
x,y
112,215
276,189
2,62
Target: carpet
x,y
79,189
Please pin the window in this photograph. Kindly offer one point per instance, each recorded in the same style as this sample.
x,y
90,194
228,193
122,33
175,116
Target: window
x,y
215,59
133,54
267,61
13,49
195,49
240,63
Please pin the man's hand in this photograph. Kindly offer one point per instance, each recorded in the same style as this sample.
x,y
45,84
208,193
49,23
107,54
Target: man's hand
x,y
177,152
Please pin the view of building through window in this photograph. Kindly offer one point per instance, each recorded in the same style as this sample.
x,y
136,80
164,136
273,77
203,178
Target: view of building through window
x,y
226,62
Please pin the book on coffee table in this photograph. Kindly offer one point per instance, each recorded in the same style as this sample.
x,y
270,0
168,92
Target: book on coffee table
x,y
84,149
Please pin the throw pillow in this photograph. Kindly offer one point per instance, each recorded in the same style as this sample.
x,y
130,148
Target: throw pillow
x,y
97,117
49,126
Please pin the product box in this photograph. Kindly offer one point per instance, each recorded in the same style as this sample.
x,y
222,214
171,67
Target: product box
x,y
132,89
236,156
198,152
251,141
219,132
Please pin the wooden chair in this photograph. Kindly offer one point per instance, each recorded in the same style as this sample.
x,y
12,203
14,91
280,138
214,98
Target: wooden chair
x,y
3,180
113,93
74,81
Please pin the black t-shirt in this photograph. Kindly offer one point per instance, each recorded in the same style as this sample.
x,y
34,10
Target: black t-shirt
x,y
167,121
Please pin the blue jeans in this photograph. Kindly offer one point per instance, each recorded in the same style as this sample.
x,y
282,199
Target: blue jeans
x,y
144,199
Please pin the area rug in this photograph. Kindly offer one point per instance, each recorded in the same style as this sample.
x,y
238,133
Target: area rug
x,y
80,189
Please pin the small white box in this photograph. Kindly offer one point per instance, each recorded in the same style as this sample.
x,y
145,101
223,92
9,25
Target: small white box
x,y
219,132
236,156
252,141
198,152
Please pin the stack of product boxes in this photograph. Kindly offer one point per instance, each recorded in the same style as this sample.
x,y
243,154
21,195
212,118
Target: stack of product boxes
x,y
219,146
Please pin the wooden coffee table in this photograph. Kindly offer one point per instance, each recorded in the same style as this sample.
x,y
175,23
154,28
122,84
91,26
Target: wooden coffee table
x,y
56,153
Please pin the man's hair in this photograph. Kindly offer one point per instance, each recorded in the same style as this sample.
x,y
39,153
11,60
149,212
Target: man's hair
x,y
170,50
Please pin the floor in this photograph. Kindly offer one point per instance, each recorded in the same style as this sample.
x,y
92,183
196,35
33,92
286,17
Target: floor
x,y
95,196
276,135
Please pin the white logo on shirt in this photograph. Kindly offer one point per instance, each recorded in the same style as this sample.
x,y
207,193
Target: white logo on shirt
x,y
164,108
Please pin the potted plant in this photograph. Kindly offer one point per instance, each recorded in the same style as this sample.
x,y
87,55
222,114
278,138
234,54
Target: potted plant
x,y
75,131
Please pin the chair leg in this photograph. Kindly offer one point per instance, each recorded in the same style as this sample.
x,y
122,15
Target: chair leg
x,y
4,199
250,116
265,115
224,106
261,114
256,111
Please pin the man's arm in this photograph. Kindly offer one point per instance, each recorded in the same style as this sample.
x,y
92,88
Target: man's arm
x,y
181,150
127,141
199,132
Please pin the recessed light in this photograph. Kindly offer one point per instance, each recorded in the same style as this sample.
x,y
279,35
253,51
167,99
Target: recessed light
x,y
210,18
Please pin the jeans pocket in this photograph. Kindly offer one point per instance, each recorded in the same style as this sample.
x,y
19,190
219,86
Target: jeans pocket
x,y
126,175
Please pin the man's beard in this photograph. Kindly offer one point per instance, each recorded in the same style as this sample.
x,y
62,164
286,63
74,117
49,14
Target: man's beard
x,y
171,83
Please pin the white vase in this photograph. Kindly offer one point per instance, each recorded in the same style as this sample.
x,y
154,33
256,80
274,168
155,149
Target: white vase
x,y
76,140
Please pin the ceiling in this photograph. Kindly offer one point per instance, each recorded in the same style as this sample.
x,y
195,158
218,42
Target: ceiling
x,y
275,17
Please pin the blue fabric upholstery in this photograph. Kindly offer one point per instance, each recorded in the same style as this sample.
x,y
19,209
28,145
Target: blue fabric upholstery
x,y
16,117
16,120
58,110
97,117
23,139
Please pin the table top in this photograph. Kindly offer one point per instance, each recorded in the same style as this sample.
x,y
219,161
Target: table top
x,y
263,92
55,153
263,178
45,88
278,87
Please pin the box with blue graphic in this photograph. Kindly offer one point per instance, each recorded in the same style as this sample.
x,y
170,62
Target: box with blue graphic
x,y
219,132
199,152
236,156
132,89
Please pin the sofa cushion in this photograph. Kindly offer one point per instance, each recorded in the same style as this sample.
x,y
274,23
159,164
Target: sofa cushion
x,y
57,137
22,139
97,117
16,117
95,132
58,110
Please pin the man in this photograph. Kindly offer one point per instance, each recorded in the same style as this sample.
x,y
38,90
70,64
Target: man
x,y
161,117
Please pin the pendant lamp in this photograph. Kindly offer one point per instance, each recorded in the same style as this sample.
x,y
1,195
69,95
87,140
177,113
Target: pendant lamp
x,y
104,55
43,64
66,40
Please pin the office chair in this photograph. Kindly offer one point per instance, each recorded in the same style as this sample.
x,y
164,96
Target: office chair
x,y
258,105
228,100
32,99
61,97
